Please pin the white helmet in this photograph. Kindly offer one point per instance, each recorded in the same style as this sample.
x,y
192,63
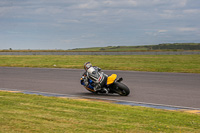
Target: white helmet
x,y
87,65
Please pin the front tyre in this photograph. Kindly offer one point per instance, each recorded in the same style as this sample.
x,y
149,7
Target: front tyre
x,y
121,89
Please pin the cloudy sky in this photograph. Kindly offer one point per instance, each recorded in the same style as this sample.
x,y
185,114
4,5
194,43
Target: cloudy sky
x,y
67,24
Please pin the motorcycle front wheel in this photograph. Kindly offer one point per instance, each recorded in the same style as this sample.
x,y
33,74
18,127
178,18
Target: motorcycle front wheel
x,y
121,89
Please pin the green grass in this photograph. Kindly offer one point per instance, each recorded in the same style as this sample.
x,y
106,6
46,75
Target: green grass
x,y
32,113
152,63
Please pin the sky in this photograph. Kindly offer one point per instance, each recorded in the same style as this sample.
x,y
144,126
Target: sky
x,y
68,24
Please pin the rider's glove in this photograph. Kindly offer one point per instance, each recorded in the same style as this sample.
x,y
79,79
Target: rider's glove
x,y
84,81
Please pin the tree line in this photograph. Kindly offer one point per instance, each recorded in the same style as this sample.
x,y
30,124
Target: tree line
x,y
181,46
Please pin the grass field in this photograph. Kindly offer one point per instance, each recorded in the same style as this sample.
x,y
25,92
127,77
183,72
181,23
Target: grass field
x,y
152,63
33,113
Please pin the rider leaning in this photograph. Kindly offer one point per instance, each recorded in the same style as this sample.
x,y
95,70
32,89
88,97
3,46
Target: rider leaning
x,y
93,78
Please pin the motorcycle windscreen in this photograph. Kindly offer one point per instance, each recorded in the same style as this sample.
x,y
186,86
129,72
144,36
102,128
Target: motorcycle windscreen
x,y
111,79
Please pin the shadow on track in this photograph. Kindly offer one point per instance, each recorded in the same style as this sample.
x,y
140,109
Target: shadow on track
x,y
97,95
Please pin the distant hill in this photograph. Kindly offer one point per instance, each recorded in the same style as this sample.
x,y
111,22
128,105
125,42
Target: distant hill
x,y
159,47
112,48
144,48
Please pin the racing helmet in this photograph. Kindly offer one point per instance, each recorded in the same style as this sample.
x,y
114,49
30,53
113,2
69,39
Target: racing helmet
x,y
87,65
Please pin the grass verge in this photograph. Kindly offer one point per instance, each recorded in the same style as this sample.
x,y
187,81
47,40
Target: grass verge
x,y
33,113
153,63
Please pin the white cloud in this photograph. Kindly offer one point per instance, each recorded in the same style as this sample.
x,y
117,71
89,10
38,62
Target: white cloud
x,y
120,3
187,29
62,21
89,4
156,33
192,11
48,10
160,3
179,3
171,14
102,22
8,11
91,14
162,31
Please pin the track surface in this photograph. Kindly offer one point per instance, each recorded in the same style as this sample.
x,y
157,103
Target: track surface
x,y
177,89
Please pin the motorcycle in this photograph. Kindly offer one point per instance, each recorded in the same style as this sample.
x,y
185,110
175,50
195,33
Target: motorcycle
x,y
110,85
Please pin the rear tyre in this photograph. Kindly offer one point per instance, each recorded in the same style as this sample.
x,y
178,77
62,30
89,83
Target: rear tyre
x,y
121,89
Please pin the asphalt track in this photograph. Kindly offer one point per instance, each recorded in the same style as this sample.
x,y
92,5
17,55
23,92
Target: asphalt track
x,y
176,89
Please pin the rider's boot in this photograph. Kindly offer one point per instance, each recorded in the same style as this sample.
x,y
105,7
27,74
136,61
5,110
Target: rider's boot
x,y
97,88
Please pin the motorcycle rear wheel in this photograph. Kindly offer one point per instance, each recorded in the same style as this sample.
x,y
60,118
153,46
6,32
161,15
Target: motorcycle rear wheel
x,y
121,89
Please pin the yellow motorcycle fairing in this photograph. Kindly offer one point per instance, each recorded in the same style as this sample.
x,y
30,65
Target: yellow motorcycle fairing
x,y
111,79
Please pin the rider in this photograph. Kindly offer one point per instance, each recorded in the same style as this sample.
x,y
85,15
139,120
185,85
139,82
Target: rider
x,y
93,78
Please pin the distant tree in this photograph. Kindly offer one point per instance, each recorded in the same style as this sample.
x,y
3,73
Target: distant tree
x,y
183,46
102,49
